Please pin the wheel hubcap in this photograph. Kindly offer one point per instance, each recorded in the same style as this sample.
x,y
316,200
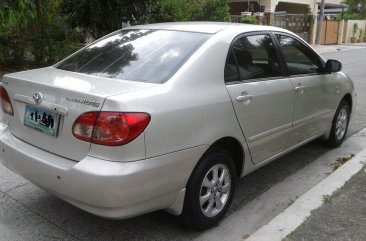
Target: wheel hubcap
x,y
341,124
215,190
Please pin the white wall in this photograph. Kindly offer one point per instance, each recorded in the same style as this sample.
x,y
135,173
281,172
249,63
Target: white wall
x,y
361,25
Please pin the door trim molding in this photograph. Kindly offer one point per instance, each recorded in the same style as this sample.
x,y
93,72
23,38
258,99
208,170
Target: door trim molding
x,y
270,132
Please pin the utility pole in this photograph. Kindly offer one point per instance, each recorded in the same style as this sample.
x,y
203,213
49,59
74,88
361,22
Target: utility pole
x,y
320,22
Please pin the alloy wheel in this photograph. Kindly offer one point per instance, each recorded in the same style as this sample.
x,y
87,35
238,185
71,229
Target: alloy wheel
x,y
215,190
341,124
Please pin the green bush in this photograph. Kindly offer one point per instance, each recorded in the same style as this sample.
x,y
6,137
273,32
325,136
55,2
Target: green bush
x,y
32,32
190,10
41,32
356,9
170,11
91,14
208,10
248,20
102,17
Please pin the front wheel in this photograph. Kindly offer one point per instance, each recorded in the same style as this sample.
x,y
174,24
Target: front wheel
x,y
339,125
210,190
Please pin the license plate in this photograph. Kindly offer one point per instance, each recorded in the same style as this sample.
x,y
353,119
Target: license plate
x,y
42,120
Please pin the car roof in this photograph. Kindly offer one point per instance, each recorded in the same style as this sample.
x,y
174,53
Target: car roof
x,y
206,27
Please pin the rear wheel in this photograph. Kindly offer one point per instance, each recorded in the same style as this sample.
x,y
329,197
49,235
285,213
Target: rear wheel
x,y
339,125
210,190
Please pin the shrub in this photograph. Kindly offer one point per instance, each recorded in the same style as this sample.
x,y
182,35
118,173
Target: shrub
x,y
102,17
32,31
354,30
248,19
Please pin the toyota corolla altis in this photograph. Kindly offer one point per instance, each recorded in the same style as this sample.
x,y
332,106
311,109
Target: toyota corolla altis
x,y
168,116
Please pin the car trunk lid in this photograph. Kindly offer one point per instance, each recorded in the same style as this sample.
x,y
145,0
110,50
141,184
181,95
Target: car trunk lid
x,y
65,96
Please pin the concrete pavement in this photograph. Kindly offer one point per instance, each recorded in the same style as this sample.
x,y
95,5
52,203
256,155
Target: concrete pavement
x,y
334,48
342,217
326,211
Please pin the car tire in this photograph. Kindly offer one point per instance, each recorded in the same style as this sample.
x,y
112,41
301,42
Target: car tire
x,y
339,125
209,195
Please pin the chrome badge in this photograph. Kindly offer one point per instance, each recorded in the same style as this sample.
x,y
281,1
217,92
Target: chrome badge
x,y
37,98
84,101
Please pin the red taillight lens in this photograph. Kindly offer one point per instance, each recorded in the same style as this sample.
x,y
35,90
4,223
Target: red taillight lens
x,y
110,128
5,102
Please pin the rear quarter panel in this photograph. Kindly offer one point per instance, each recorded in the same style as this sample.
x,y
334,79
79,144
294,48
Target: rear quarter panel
x,y
191,109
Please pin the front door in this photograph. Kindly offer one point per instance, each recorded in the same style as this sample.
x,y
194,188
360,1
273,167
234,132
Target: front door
x,y
262,98
313,90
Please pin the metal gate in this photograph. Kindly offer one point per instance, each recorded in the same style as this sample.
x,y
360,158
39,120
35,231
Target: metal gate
x,y
297,23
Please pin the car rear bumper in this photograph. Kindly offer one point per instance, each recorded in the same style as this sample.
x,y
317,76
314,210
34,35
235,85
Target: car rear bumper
x,y
105,188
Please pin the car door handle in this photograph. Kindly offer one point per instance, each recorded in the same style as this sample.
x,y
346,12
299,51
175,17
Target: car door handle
x,y
300,88
242,98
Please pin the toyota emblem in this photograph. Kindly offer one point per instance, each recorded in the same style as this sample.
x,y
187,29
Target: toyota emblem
x,y
37,98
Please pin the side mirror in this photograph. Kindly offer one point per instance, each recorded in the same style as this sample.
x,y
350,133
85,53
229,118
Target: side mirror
x,y
333,66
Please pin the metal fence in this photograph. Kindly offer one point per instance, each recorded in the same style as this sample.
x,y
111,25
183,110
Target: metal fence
x,y
297,23
236,18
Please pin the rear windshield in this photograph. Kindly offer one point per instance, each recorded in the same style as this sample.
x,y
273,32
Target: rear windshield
x,y
140,55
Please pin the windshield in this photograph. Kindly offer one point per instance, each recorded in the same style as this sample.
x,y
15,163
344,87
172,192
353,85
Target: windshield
x,y
140,55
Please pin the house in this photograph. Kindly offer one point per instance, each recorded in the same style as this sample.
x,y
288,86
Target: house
x,y
333,8
295,15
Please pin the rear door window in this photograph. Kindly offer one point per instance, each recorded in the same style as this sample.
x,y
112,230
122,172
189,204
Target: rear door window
x,y
140,55
256,59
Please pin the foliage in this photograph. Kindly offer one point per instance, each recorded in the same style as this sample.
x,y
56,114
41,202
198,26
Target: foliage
x,y
354,30
349,16
356,9
360,35
45,31
32,30
191,10
170,11
91,14
248,19
14,17
208,10
100,17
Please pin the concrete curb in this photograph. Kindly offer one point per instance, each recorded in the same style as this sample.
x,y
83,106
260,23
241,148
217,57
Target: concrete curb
x,y
291,218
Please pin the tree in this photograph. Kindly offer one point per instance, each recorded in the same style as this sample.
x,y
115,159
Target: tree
x,y
15,16
356,9
32,28
191,10
100,17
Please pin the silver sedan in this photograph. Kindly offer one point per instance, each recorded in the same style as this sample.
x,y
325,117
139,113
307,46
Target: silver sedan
x,y
168,116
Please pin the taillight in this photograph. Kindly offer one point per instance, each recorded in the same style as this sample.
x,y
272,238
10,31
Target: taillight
x,y
83,126
5,102
110,128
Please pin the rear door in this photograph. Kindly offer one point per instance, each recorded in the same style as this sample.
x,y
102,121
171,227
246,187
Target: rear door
x,y
261,96
313,90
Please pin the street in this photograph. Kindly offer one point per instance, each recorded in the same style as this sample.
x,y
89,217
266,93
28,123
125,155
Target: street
x,y
29,213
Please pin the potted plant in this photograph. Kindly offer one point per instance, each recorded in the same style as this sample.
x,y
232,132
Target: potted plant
x,y
360,36
354,32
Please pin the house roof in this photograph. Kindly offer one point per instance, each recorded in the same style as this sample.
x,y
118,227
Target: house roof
x,y
333,3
